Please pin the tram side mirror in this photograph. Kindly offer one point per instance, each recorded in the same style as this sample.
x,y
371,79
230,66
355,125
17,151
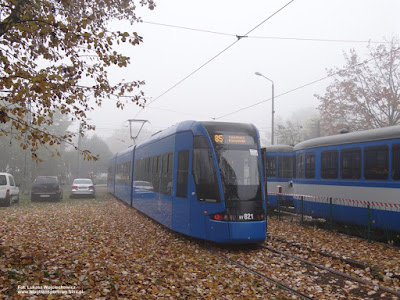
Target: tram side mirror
x,y
290,183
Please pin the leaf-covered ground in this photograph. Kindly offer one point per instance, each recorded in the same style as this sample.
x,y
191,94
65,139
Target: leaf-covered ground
x,y
101,249
381,261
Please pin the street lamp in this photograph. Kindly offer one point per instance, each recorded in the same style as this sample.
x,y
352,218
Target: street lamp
x,y
273,109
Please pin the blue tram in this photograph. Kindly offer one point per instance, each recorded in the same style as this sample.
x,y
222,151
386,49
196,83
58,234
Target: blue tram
x,y
202,179
351,178
279,164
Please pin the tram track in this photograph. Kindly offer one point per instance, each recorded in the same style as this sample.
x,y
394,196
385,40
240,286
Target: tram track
x,y
263,276
351,262
301,277
336,272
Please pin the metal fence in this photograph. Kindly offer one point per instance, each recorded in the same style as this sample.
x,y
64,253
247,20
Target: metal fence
x,y
370,220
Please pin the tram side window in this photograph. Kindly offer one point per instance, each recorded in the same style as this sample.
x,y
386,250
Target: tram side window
x,y
300,165
310,165
285,166
182,173
156,173
147,167
396,162
270,168
204,171
123,173
139,169
166,174
350,163
110,173
294,164
376,162
329,164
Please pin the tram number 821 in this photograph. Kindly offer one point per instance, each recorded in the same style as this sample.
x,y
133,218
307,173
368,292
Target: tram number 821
x,y
246,217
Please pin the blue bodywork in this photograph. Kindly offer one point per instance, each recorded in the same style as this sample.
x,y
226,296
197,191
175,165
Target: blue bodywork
x,y
186,215
373,202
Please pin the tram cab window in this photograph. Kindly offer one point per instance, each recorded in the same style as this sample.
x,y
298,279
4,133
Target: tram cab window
x,y
300,165
285,166
350,163
310,165
329,164
396,162
204,171
376,162
182,173
239,171
270,168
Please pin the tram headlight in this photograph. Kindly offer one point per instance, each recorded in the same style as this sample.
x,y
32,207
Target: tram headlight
x,y
218,217
233,217
223,217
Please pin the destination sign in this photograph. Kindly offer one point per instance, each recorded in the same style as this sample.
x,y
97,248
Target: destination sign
x,y
233,139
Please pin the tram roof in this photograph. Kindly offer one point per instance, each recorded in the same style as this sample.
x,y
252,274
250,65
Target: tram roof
x,y
279,148
378,134
195,127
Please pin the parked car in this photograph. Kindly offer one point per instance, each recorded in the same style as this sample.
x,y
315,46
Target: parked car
x,y
46,188
9,191
82,187
140,186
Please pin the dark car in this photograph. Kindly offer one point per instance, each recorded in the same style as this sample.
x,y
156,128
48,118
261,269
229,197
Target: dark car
x,y
46,188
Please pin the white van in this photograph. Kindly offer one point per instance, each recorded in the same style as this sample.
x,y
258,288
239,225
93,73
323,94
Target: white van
x,y
9,192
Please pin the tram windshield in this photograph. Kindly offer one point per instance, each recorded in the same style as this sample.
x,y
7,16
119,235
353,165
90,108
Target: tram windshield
x,y
239,173
236,150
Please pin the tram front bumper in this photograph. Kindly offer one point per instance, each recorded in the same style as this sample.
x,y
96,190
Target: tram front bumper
x,y
237,232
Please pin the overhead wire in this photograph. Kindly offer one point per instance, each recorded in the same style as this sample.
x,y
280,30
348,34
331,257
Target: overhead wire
x,y
188,28
292,90
255,37
276,96
266,37
214,57
180,112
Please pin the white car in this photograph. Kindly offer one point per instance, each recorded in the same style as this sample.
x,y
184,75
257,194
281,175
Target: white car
x,y
82,187
9,191
142,186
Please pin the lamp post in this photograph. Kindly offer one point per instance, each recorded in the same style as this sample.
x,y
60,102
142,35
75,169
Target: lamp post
x,y
273,105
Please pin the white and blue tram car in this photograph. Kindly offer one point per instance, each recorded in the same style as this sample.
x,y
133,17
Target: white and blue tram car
x,y
351,178
202,179
279,164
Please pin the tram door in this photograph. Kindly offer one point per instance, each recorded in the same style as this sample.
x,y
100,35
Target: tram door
x,y
204,188
181,202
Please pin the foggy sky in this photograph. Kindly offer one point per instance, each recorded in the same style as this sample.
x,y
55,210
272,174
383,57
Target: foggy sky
x,y
289,48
